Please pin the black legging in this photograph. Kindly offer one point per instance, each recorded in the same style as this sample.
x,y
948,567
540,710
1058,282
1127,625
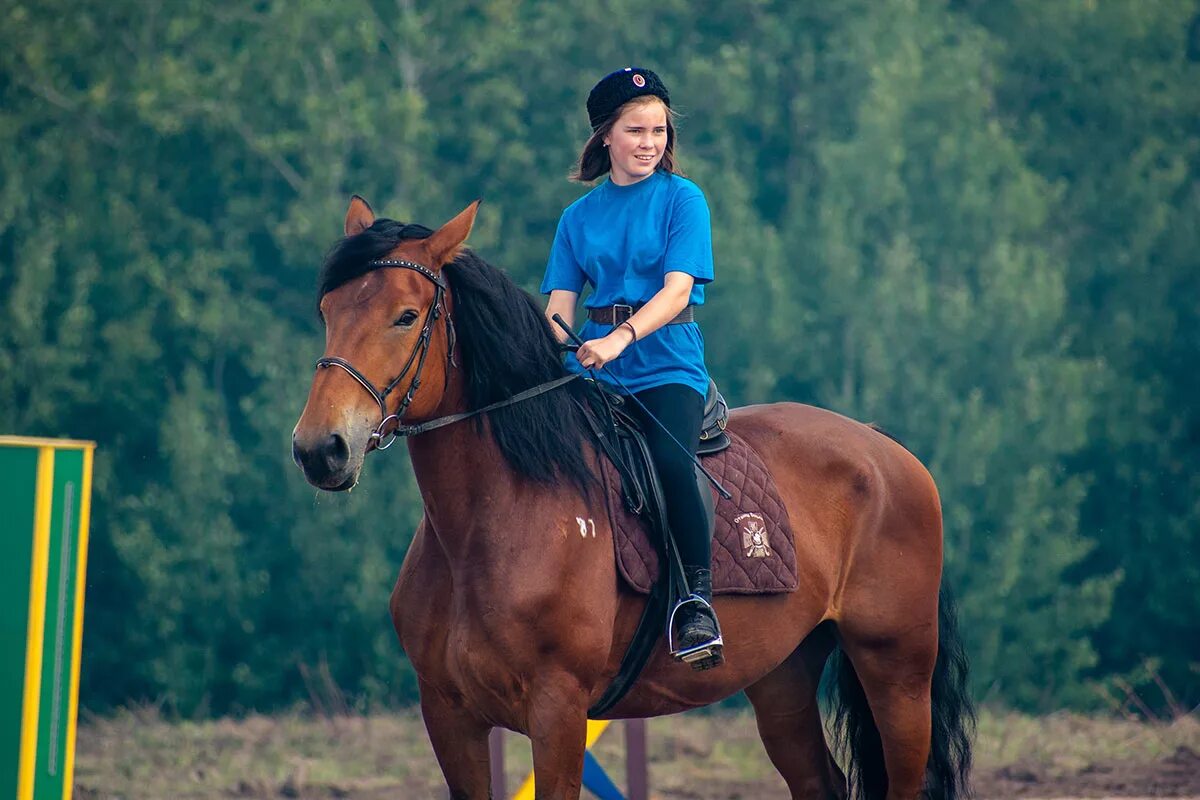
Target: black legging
x,y
681,409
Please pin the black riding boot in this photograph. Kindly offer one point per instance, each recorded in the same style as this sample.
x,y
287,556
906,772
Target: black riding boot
x,y
698,626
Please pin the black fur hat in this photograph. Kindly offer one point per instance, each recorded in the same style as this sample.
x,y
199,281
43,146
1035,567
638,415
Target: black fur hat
x,y
618,88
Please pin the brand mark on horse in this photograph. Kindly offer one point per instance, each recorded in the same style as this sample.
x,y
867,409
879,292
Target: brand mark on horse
x,y
583,526
755,543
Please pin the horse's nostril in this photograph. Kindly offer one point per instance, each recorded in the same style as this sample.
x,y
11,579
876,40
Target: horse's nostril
x,y
337,452
322,461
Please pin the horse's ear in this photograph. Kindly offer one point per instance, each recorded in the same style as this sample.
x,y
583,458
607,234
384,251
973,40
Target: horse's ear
x,y
447,240
359,216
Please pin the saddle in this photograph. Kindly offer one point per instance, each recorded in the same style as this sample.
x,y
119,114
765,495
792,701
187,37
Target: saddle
x,y
753,548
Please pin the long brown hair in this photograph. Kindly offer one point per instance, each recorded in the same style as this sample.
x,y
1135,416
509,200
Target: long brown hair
x,y
594,161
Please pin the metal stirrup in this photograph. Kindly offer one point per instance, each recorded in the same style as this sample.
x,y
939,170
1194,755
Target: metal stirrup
x,y
700,651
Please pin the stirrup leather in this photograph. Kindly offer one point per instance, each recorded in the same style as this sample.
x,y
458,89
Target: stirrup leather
x,y
701,656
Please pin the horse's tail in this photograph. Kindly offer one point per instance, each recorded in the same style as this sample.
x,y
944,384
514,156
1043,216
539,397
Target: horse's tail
x,y
948,772
953,717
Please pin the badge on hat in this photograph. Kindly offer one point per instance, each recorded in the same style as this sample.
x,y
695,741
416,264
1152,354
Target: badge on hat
x,y
638,80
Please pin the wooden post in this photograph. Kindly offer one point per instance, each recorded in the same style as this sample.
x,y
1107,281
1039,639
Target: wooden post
x,y
496,759
637,779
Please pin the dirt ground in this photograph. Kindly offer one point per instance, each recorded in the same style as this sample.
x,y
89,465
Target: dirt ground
x,y
1177,775
139,755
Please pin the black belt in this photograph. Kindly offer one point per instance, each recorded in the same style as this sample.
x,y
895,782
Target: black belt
x,y
616,314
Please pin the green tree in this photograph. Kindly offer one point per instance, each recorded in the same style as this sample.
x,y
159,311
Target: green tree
x,y
967,221
1100,99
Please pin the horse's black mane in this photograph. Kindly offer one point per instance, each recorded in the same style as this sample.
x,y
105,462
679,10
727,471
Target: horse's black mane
x,y
506,346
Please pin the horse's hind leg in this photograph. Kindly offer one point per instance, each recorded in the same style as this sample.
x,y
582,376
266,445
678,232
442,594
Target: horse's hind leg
x,y
789,720
896,675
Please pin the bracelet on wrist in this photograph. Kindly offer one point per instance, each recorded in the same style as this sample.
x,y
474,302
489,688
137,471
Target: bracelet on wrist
x,y
627,324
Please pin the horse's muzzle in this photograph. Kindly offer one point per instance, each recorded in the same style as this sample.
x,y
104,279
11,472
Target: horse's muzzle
x,y
326,463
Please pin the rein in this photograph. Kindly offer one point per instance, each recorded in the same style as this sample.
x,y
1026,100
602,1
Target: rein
x,y
381,438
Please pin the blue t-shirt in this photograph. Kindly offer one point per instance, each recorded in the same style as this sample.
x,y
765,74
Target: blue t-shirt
x,y
623,240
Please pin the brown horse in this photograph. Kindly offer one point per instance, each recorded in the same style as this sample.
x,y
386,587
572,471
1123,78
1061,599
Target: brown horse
x,y
512,619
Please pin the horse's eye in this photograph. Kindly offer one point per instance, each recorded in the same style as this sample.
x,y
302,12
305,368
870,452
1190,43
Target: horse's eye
x,y
407,318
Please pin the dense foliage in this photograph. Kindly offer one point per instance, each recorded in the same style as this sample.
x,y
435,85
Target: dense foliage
x,y
972,222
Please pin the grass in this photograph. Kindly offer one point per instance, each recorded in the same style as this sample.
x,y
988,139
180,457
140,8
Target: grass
x,y
1066,742
138,754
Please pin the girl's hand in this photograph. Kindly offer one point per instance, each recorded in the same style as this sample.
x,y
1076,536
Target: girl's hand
x,y
595,353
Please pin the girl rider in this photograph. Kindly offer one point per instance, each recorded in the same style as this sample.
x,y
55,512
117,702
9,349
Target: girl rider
x,y
642,240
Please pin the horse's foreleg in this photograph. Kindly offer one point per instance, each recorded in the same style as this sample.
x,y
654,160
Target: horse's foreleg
x,y
460,742
557,725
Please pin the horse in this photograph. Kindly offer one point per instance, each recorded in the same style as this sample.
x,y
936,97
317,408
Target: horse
x,y
510,618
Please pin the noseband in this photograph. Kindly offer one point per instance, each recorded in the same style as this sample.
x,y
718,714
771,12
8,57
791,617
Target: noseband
x,y
382,439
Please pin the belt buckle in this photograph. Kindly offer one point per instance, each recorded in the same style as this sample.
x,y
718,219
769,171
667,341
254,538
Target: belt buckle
x,y
616,307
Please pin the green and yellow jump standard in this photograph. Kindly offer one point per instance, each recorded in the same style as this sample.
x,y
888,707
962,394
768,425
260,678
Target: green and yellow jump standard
x,y
45,500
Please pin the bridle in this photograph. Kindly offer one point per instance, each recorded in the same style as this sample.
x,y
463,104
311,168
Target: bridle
x,y
381,438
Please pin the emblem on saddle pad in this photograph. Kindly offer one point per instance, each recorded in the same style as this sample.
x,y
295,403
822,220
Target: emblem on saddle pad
x,y
755,543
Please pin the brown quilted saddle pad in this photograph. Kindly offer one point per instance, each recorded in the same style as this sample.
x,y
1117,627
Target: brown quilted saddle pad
x,y
753,549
